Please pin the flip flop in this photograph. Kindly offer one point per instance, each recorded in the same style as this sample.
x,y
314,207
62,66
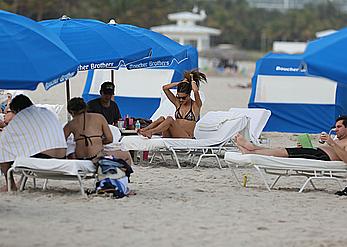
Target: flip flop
x,y
342,192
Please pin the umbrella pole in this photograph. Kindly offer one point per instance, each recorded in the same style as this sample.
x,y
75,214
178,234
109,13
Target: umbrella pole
x,y
112,80
67,85
112,76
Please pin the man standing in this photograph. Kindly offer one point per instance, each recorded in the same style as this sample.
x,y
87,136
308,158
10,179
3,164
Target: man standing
x,y
105,105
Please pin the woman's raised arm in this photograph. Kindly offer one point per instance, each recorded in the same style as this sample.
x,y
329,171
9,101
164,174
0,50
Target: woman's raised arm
x,y
169,94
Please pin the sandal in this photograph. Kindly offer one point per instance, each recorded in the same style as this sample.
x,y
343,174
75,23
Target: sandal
x,y
342,192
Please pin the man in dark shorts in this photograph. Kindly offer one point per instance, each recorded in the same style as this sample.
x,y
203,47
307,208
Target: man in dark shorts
x,y
105,105
331,149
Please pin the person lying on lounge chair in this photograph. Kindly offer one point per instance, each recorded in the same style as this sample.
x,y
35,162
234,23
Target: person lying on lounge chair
x,y
330,150
187,110
30,132
91,133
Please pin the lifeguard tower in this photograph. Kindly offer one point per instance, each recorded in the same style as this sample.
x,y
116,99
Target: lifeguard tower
x,y
186,32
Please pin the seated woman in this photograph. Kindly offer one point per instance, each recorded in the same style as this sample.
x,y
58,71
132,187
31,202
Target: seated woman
x,y
91,133
187,110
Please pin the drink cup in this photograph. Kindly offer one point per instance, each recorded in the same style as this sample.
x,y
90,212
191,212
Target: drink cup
x,y
120,124
320,139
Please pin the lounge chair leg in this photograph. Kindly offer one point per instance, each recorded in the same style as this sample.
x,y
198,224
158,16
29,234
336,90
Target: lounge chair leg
x,y
233,172
209,155
24,179
9,182
176,158
261,174
152,158
303,187
34,183
311,182
81,185
274,182
44,187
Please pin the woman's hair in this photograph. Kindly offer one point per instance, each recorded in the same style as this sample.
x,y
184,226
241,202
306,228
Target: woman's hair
x,y
76,105
198,77
20,102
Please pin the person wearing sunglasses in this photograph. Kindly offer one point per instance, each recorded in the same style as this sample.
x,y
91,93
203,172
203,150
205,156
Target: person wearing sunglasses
x,y
187,110
8,116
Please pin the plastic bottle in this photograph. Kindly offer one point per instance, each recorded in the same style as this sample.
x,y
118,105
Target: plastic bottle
x,y
137,125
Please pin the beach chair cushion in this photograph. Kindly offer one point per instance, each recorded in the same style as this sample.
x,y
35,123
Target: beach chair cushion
x,y
55,166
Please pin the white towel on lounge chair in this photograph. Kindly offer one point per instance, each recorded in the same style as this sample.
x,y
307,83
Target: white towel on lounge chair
x,y
258,118
31,131
214,120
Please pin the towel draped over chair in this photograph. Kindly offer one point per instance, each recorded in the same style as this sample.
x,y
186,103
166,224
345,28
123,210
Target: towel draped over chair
x,y
31,131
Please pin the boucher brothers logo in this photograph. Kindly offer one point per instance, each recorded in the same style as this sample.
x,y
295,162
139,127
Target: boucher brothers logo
x,y
61,79
289,69
149,64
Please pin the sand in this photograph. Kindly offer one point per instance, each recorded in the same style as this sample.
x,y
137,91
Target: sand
x,y
178,207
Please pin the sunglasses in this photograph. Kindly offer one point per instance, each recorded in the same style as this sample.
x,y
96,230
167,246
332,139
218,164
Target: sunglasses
x,y
181,97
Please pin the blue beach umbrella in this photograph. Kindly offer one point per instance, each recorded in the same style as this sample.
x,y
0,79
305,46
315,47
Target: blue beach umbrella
x,y
97,45
327,57
31,54
165,51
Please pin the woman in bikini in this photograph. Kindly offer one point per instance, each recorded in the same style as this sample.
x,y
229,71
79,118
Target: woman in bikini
x,y
187,110
91,132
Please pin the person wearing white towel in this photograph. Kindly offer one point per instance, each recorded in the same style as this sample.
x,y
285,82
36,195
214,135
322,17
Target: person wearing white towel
x,y
187,110
31,132
334,150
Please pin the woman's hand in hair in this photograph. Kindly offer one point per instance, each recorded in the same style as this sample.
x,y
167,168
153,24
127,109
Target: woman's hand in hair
x,y
194,86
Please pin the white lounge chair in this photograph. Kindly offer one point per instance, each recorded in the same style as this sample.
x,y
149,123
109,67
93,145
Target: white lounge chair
x,y
56,169
270,165
211,133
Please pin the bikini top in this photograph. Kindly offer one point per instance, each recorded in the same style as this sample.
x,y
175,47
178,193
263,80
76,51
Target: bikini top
x,y
87,139
189,116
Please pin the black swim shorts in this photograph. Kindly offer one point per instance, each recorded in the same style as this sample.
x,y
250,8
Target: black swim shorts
x,y
308,153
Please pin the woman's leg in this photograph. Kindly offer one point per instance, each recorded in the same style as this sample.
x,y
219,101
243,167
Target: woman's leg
x,y
153,124
161,128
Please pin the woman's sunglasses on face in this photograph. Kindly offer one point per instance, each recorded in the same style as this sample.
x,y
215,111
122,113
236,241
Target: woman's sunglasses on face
x,y
181,97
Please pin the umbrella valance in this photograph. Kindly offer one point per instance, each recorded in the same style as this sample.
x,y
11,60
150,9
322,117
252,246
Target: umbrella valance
x,y
164,49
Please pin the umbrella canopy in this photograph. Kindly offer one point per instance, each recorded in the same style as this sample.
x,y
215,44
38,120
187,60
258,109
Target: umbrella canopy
x,y
98,45
326,56
30,54
164,49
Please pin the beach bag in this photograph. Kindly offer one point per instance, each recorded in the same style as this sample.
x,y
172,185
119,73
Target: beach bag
x,y
113,176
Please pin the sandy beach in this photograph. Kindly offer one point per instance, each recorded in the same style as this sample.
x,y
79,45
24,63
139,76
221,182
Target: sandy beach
x,y
178,207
